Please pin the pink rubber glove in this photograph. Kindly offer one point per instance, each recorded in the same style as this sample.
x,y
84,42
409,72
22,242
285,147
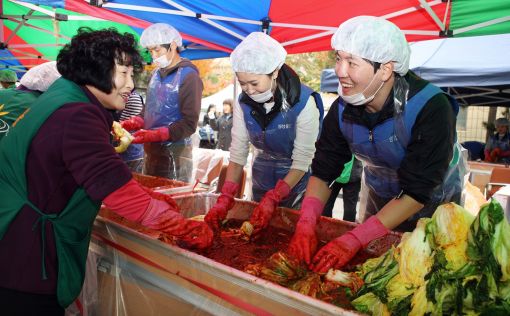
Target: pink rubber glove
x,y
224,203
304,242
132,124
133,203
263,213
341,250
160,134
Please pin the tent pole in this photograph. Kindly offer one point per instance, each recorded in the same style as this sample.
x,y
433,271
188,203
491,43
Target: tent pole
x,y
432,14
17,27
206,20
480,25
2,23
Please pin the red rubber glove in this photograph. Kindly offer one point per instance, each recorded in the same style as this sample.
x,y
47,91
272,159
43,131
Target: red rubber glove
x,y
341,250
304,242
194,234
162,197
132,124
224,203
495,153
487,156
264,211
133,203
160,134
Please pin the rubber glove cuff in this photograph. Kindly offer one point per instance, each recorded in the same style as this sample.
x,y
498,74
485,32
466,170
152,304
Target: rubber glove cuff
x,y
369,230
280,191
311,209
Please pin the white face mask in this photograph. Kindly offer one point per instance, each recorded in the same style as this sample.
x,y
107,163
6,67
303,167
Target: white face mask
x,y
264,96
162,62
358,98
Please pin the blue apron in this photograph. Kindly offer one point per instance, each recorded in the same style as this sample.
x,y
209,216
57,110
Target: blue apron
x,y
274,146
382,149
172,160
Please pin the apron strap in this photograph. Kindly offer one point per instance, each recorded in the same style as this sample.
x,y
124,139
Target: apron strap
x,y
42,220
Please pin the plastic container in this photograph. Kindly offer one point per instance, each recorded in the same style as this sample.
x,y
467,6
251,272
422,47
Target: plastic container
x,y
138,274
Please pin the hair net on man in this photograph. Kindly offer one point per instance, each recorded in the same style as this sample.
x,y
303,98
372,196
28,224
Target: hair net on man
x,y
7,75
502,122
375,39
41,77
258,54
160,33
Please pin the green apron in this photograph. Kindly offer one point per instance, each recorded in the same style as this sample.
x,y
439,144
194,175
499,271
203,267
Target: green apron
x,y
71,227
15,102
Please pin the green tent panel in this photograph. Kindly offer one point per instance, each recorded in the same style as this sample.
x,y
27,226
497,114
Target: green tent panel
x,y
477,13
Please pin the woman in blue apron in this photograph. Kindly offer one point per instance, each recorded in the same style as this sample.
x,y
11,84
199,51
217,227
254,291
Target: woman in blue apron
x,y
280,118
400,126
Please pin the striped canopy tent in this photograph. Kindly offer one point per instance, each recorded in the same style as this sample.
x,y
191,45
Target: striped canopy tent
x,y
34,31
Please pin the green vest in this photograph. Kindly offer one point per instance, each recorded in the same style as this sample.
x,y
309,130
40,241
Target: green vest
x,y
72,227
14,103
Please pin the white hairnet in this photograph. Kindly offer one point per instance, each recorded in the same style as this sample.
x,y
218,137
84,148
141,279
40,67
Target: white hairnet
x,y
258,54
160,33
375,39
41,77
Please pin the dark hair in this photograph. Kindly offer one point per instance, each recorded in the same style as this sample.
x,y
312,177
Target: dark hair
x,y
210,106
89,59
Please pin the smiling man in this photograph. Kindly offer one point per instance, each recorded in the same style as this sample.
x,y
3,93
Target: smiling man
x,y
174,96
400,126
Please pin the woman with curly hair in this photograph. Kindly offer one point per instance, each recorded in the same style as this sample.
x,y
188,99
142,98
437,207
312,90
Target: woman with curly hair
x,y
57,165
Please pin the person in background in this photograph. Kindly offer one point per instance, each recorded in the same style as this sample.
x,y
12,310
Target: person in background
x,y
400,126
224,126
133,156
206,131
56,167
8,78
498,146
14,102
210,117
281,118
172,110
350,184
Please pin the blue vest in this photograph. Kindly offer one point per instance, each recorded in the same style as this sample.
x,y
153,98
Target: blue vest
x,y
133,152
162,108
383,148
276,143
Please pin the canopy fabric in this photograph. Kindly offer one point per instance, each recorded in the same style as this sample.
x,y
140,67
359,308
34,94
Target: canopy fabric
x,y
35,34
470,18
213,28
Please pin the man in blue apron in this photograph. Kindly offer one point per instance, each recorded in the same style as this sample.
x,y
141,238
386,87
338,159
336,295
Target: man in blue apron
x,y
400,126
281,118
172,110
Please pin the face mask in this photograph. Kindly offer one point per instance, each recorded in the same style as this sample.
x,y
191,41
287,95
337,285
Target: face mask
x,y
162,62
264,96
358,98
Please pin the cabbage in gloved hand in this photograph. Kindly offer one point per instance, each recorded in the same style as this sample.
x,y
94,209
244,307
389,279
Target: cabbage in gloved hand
x,y
123,136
